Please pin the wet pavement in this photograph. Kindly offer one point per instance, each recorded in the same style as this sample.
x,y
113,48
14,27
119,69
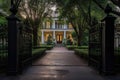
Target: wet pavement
x,y
60,64
60,56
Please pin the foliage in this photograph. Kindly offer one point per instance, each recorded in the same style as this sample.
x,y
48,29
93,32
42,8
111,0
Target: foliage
x,y
3,21
64,42
84,39
82,53
49,40
4,7
34,13
48,47
69,41
115,4
38,51
81,14
72,47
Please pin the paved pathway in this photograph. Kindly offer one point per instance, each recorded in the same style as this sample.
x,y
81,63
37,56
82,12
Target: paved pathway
x,y
60,56
60,64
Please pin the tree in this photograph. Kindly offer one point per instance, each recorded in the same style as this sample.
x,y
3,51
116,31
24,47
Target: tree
x,y
3,21
4,7
49,40
115,2
34,13
81,14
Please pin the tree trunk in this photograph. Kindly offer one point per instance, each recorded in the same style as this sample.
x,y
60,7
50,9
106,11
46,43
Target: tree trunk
x,y
79,41
80,38
35,37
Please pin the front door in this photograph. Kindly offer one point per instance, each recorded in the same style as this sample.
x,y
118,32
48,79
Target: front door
x,y
59,38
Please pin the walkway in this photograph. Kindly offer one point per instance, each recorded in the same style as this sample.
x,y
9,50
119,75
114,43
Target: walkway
x,y
60,56
60,64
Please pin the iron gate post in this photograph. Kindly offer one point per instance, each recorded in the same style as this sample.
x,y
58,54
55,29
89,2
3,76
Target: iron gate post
x,y
12,67
108,44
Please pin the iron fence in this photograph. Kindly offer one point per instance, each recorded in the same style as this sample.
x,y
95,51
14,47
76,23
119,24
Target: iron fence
x,y
117,47
25,45
3,46
95,46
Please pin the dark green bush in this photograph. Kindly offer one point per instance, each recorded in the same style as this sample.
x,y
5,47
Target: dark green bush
x,y
38,52
69,41
71,47
48,47
83,47
82,53
49,40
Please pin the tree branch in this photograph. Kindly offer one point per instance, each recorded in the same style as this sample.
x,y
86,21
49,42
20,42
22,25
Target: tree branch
x,y
99,4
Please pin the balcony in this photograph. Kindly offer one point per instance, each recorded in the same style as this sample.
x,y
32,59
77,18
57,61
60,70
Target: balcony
x,y
57,28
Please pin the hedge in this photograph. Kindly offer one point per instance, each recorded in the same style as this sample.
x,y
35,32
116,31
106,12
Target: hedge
x,y
48,47
82,53
72,47
38,52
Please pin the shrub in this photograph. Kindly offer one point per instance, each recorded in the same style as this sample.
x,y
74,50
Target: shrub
x,y
71,47
82,53
83,47
48,47
69,41
38,52
49,41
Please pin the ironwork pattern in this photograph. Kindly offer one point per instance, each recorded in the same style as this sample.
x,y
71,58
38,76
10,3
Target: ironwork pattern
x,y
117,46
25,45
3,46
95,46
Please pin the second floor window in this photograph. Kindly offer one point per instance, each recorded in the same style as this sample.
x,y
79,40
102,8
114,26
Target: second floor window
x,y
48,25
70,26
58,24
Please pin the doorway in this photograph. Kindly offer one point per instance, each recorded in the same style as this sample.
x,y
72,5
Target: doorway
x,y
59,38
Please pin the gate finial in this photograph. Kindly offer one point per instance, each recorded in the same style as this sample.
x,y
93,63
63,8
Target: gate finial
x,y
108,9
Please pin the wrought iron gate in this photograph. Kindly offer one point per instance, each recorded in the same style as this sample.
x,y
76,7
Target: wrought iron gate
x,y
3,47
25,46
95,46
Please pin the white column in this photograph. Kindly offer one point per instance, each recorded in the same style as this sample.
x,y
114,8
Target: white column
x,y
54,37
64,34
53,34
42,39
53,24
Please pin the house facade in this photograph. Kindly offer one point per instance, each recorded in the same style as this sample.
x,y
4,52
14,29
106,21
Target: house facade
x,y
57,29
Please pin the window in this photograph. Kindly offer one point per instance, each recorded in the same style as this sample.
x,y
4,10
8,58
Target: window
x,y
70,26
58,24
48,25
